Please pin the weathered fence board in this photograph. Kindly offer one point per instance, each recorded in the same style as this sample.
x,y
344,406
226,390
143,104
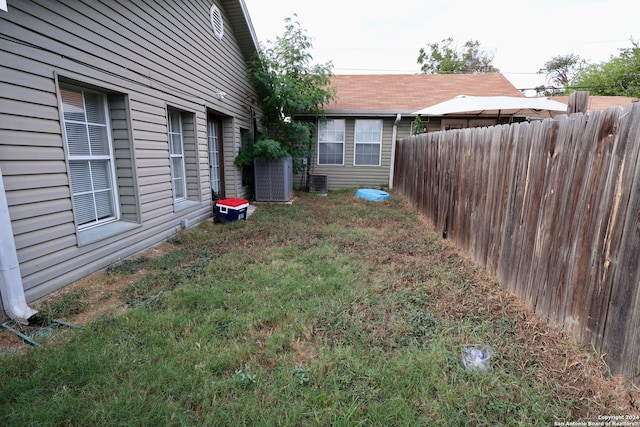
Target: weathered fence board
x,y
625,278
596,197
552,209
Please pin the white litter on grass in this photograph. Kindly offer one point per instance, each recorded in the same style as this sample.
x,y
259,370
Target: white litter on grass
x,y
476,357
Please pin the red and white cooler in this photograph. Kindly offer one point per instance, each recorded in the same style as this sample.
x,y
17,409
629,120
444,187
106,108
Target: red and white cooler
x,y
231,209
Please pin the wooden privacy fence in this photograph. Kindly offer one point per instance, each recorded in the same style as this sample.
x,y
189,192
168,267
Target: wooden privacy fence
x,y
552,209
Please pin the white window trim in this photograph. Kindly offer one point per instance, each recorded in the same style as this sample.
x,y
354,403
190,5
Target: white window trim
x,y
355,142
213,147
172,155
109,157
343,142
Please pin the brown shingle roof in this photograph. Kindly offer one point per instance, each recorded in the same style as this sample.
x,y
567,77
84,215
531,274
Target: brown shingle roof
x,y
405,93
598,102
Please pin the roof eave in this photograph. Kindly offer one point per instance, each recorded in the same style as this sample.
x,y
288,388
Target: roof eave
x,y
240,20
363,113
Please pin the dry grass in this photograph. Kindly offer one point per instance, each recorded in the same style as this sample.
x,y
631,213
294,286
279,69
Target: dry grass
x,y
407,266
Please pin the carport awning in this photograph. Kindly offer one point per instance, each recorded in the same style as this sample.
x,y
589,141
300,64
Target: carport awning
x,y
495,106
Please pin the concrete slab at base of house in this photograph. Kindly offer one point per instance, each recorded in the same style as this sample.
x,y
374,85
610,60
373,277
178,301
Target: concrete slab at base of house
x,y
289,202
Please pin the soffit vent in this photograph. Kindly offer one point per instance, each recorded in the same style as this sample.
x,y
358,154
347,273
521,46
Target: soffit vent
x,y
216,21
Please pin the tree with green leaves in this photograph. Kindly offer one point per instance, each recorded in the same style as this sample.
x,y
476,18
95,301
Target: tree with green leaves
x,y
418,126
561,71
620,76
287,84
445,58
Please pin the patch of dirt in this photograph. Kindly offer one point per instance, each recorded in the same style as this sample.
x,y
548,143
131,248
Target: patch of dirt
x,y
103,297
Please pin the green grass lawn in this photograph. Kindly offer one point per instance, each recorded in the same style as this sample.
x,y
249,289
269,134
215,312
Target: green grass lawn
x,y
332,311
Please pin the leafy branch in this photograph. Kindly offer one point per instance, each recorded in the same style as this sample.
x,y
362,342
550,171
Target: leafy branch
x,y
287,84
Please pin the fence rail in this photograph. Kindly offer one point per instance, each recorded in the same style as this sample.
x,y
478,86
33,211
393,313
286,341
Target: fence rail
x,y
550,208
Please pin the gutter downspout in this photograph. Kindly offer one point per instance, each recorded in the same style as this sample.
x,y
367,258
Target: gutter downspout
x,y
394,135
11,290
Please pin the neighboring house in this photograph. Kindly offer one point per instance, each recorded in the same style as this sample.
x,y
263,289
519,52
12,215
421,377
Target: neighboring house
x,y
356,139
597,102
117,122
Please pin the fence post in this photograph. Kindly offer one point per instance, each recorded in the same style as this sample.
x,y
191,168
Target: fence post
x,y
578,102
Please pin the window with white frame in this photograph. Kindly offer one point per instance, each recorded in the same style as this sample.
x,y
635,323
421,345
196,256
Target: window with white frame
x,y
90,156
367,142
331,142
176,154
214,156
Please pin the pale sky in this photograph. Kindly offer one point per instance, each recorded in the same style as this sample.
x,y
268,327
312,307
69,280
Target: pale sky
x,y
362,37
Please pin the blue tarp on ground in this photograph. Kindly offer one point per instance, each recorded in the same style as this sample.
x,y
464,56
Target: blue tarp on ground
x,y
372,194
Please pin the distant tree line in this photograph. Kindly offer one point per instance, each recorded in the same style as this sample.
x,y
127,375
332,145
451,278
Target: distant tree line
x,y
620,76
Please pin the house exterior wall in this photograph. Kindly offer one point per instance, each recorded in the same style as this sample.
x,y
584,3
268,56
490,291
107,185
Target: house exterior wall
x,y
405,127
348,175
146,58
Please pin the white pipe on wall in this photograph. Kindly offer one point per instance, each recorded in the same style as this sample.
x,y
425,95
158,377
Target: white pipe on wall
x,y
11,290
394,135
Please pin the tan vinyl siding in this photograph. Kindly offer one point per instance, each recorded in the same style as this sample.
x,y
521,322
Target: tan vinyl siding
x,y
405,127
202,159
145,57
233,175
350,176
191,165
123,154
